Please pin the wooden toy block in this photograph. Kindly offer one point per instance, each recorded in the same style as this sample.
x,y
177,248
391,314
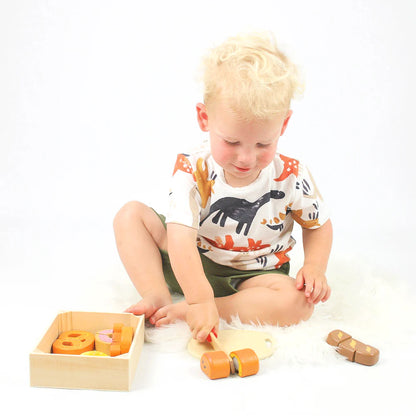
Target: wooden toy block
x,y
352,349
220,364
86,371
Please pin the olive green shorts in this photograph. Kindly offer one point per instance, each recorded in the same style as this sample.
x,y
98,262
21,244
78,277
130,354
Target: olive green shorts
x,y
223,279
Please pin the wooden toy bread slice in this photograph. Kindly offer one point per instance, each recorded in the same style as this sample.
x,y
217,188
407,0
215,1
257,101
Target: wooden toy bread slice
x,y
352,349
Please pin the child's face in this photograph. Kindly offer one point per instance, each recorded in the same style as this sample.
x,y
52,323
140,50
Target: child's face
x,y
242,148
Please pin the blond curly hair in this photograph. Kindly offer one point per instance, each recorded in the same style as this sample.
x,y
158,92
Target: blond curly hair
x,y
252,75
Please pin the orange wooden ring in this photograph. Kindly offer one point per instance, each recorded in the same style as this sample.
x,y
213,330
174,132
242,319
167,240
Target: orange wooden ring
x,y
215,364
246,362
73,342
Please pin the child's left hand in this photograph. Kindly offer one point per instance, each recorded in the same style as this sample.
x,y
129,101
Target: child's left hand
x,y
314,281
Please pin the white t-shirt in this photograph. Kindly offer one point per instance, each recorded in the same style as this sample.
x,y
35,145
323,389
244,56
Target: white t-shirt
x,y
247,228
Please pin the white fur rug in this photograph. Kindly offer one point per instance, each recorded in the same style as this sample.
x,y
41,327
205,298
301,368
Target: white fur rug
x,y
374,308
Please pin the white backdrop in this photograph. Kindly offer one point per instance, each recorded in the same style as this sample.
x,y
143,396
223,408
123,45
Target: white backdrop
x,y
98,96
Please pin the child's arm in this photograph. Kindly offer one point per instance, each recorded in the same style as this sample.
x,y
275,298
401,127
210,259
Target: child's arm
x,y
317,246
202,314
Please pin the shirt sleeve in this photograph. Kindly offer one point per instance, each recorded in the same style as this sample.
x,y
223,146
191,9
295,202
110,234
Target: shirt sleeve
x,y
184,198
308,208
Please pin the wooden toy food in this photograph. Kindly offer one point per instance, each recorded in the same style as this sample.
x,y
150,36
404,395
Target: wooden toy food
x,y
73,342
95,353
103,340
218,364
126,339
86,372
352,349
121,339
114,341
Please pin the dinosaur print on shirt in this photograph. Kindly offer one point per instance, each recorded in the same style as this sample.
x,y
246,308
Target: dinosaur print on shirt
x,y
239,210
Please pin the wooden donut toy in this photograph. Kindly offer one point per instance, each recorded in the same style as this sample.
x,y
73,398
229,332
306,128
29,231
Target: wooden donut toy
x,y
73,342
218,364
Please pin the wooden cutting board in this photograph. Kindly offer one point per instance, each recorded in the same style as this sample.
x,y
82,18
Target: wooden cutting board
x,y
262,343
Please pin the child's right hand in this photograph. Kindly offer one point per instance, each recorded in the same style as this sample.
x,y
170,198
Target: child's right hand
x,y
202,318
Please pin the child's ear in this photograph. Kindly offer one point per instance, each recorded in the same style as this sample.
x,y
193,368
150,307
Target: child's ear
x,y
285,123
202,115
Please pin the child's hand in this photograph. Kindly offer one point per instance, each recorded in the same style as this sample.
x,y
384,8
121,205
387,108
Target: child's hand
x,y
202,318
314,281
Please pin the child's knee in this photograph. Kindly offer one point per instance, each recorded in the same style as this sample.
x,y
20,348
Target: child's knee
x,y
302,310
295,309
128,213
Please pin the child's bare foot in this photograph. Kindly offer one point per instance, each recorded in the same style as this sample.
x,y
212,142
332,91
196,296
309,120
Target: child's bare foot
x,y
169,314
148,306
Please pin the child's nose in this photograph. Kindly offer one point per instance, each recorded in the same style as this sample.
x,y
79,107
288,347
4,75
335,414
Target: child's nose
x,y
246,157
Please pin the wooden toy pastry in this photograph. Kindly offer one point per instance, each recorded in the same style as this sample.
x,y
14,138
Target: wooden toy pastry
x,y
73,342
121,339
114,341
352,349
103,340
218,364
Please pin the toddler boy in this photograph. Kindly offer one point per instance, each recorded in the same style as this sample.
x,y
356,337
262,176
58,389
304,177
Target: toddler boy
x,y
225,241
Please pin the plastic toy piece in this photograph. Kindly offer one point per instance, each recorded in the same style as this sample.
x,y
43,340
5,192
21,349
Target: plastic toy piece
x,y
352,349
219,364
73,342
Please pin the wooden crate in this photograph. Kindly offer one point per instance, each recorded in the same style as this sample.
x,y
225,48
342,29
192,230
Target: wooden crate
x,y
86,372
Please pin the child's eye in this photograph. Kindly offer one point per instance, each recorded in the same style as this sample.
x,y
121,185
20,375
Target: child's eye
x,y
231,143
263,145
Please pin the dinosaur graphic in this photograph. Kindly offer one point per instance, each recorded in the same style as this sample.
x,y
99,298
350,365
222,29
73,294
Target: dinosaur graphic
x,y
290,166
240,210
229,244
313,218
204,184
183,164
